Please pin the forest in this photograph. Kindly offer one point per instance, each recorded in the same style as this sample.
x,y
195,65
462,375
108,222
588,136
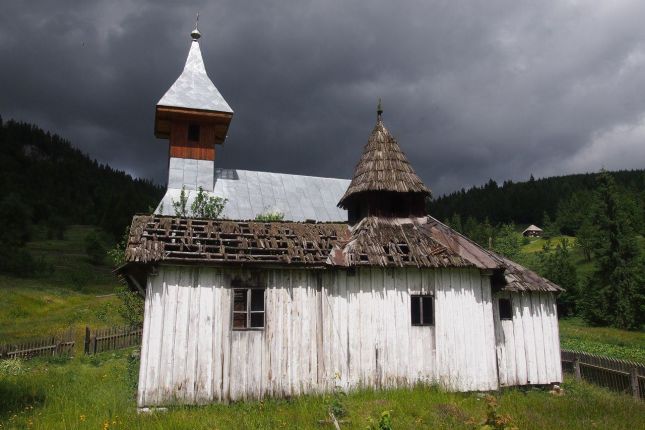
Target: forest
x,y
47,183
593,227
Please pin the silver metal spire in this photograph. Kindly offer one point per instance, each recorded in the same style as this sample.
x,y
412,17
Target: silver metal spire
x,y
195,34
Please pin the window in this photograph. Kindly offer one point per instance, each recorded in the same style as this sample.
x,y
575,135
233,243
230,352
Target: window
x,y
193,132
248,308
505,309
422,310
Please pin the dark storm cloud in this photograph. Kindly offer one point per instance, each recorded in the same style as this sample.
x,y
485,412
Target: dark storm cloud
x,y
471,90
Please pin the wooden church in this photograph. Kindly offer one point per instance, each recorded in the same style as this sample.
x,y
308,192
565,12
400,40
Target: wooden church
x,y
357,287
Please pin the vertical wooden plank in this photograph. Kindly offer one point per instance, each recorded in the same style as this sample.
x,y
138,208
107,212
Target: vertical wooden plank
x,y
205,337
167,350
152,350
539,337
547,338
518,333
529,339
226,338
555,335
182,322
489,330
192,336
217,348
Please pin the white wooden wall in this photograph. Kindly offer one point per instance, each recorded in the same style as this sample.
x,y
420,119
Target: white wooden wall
x,y
322,329
528,345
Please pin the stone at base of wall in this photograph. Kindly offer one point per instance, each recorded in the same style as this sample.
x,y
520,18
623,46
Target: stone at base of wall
x,y
150,411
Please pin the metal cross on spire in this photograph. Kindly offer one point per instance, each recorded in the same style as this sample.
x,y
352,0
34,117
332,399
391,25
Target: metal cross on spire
x,y
379,109
195,34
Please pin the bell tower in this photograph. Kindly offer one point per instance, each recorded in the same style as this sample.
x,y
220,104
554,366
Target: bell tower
x,y
194,116
384,184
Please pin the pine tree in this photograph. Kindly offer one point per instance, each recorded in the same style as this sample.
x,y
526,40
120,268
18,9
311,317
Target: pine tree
x,y
615,293
585,238
557,266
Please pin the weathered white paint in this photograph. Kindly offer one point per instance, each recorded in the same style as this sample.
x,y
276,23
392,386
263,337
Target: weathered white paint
x,y
328,328
528,345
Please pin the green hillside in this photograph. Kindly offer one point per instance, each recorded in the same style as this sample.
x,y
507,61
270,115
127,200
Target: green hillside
x,y
525,203
73,292
48,182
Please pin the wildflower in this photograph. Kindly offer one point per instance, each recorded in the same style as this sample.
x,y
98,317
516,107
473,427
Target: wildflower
x,y
82,418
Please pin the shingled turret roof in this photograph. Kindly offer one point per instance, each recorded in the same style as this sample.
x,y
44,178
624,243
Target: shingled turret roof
x,y
383,167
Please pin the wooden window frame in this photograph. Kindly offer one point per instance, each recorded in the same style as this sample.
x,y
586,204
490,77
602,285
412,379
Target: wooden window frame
x,y
422,322
248,311
499,309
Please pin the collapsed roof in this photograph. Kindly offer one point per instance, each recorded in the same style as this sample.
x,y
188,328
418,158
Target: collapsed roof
x,y
420,243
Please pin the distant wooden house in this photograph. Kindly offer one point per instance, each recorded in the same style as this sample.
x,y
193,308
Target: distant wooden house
x,y
532,231
372,293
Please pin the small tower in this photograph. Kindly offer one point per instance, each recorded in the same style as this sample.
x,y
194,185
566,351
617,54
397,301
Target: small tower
x,y
384,184
194,116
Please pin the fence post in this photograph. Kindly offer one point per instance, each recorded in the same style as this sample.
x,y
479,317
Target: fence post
x,y
576,366
633,373
86,343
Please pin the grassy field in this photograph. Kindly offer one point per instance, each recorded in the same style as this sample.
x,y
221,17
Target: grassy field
x,y
96,393
628,345
74,293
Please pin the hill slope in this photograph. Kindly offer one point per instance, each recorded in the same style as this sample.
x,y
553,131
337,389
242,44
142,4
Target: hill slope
x,y
47,181
527,202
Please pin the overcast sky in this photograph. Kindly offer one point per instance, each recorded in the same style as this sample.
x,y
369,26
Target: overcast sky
x,y
472,90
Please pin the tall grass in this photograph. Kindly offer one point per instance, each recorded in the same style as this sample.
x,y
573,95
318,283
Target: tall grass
x,y
94,393
75,293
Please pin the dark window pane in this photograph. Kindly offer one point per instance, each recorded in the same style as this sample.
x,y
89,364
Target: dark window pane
x,y
428,317
239,300
415,310
257,300
505,309
257,319
239,320
193,133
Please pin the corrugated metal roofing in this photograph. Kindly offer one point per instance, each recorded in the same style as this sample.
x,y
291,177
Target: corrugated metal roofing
x,y
194,89
251,193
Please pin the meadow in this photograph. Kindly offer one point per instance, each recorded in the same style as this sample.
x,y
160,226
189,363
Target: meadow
x,y
98,393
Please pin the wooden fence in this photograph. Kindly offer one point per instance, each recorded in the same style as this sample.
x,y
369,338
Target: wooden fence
x,y
617,375
109,339
51,346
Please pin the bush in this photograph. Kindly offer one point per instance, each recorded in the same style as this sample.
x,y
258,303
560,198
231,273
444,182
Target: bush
x,y
11,367
117,254
131,306
205,206
94,248
20,262
132,370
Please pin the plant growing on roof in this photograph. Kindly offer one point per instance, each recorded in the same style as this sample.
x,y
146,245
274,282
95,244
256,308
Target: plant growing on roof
x,y
181,207
205,206
270,216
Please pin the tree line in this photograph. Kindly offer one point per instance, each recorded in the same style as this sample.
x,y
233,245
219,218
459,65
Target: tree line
x,y
48,183
607,219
